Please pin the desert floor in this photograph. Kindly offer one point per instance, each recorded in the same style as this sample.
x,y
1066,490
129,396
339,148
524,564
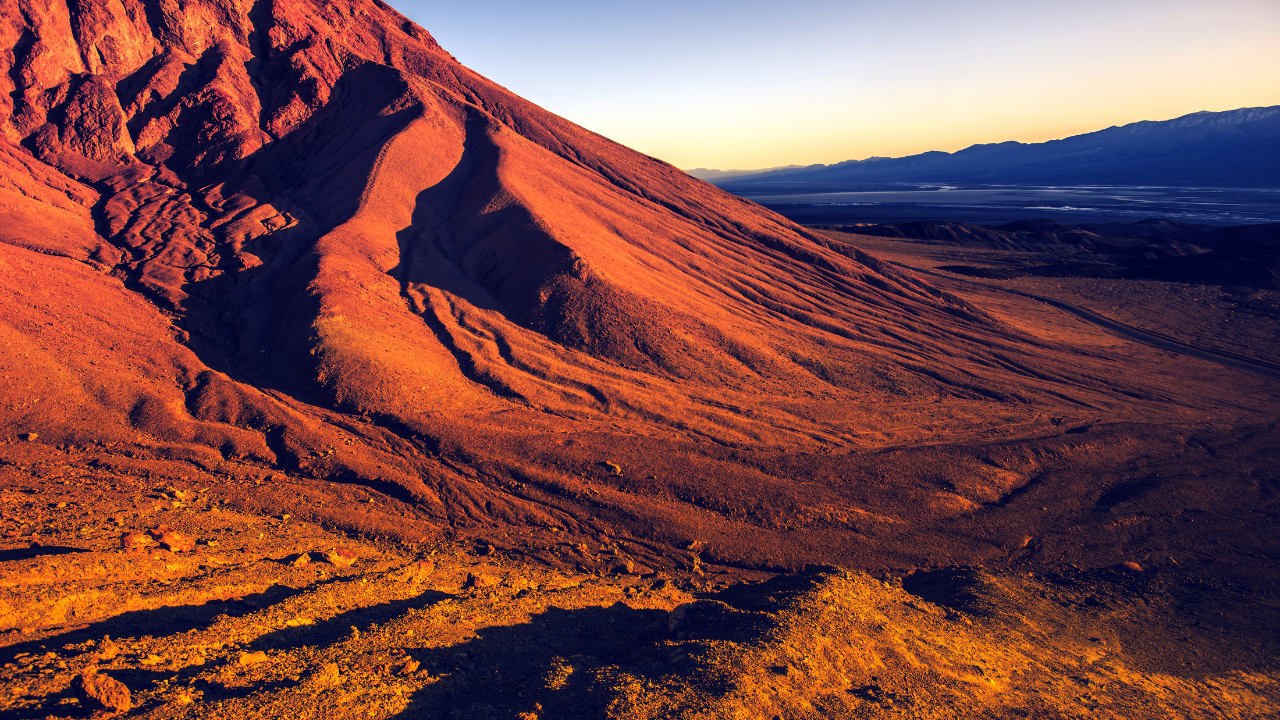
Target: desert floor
x,y
237,613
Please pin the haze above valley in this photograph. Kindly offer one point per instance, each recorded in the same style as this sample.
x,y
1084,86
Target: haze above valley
x,y
1217,168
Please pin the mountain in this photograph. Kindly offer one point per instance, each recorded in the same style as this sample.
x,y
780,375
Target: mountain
x,y
711,175
1244,256
1150,228
295,247
1237,148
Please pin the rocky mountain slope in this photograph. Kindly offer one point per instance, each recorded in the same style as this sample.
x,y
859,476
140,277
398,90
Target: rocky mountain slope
x,y
298,242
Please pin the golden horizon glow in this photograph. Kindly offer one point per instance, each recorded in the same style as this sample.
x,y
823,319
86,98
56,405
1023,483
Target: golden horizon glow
x,y
750,85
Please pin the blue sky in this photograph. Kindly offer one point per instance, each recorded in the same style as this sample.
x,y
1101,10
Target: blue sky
x,y
705,83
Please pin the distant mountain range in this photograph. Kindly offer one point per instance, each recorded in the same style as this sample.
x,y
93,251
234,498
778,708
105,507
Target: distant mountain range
x,y
711,175
1237,148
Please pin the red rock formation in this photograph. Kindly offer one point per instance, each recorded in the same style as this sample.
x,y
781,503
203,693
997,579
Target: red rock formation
x,y
298,234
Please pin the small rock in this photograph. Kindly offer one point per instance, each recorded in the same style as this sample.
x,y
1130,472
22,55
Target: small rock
x,y
626,567
1129,565
175,541
613,468
676,616
102,692
341,557
416,572
486,550
29,436
299,622
482,580
325,676
134,541
151,660
107,650
409,667
252,658
302,560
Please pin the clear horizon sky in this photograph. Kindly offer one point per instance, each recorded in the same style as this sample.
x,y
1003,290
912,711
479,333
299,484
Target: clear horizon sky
x,y
754,84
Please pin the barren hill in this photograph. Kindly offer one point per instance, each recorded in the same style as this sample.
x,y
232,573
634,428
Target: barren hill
x,y
297,244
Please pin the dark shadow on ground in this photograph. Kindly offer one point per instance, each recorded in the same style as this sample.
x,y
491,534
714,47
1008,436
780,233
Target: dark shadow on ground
x,y
156,623
332,630
173,621
56,705
575,663
161,622
36,551
562,660
319,634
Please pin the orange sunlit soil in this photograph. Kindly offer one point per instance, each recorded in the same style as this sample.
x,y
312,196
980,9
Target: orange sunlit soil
x,y
289,281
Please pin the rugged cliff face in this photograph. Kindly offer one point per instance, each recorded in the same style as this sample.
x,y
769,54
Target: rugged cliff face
x,y
297,240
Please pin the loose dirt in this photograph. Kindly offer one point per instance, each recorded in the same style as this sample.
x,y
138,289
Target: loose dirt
x,y
256,622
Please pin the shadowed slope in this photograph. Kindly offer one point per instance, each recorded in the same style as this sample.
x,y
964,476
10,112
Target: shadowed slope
x,y
299,236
